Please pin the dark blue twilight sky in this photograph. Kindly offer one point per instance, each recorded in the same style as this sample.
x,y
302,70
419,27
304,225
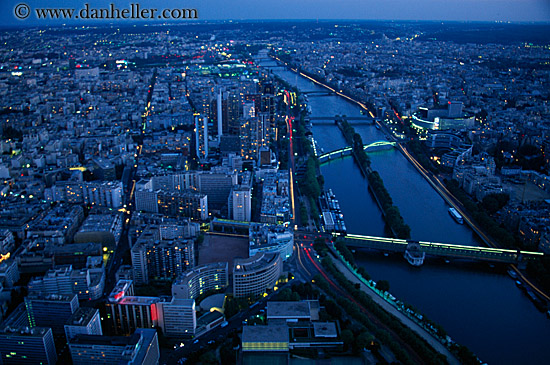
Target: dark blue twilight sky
x,y
473,10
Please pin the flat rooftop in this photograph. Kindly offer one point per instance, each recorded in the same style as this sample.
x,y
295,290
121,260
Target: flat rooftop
x,y
50,297
24,331
288,310
269,333
81,317
138,300
325,329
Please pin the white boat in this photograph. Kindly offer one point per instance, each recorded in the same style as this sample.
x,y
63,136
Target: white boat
x,y
456,216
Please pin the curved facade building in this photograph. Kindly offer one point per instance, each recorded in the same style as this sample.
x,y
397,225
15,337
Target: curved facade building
x,y
201,279
254,275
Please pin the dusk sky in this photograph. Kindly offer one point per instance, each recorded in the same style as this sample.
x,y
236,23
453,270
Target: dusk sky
x,y
474,10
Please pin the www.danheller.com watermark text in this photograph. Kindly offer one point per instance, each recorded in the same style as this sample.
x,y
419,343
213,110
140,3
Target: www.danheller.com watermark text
x,y
133,12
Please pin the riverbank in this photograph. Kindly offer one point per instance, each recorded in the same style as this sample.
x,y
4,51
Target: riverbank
x,y
435,343
437,185
455,203
479,306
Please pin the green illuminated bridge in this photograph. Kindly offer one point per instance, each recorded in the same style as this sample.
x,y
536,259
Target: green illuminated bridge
x,y
442,249
346,151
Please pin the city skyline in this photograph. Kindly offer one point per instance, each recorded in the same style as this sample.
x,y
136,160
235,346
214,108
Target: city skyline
x,y
398,10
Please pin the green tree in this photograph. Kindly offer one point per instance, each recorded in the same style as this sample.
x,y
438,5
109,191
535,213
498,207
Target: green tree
x,y
285,295
361,270
490,204
383,285
333,309
227,354
209,358
363,340
320,246
231,307
310,184
347,338
303,213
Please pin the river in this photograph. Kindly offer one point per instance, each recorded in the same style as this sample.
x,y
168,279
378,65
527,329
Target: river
x,y
478,305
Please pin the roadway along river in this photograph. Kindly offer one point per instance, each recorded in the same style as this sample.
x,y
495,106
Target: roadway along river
x,y
478,305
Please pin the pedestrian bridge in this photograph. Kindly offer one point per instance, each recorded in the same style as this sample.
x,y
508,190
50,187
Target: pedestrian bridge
x,y
346,151
442,249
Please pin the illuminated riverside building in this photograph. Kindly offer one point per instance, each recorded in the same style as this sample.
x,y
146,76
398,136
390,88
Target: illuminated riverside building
x,y
200,280
451,117
254,275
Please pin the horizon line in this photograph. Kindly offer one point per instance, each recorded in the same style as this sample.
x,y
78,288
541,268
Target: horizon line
x,y
100,23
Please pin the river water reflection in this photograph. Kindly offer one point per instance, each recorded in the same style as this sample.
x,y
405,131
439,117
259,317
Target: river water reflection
x,y
478,305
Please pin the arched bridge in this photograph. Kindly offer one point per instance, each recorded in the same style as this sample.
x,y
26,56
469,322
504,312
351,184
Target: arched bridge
x,y
342,152
442,249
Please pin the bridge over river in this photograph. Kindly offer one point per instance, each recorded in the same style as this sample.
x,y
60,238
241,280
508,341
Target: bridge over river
x,y
346,151
442,249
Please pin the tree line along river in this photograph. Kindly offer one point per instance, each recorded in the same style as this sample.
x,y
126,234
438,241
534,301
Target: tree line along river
x,y
478,304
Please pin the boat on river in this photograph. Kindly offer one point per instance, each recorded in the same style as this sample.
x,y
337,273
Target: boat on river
x,y
456,216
